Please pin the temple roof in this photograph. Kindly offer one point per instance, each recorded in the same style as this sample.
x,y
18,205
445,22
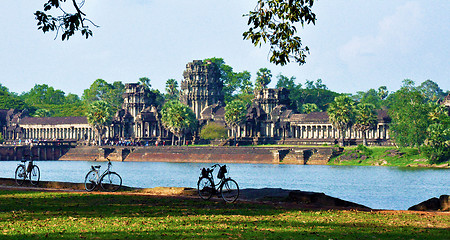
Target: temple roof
x,y
52,120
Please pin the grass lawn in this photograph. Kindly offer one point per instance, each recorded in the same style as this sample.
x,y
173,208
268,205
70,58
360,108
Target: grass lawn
x,y
75,215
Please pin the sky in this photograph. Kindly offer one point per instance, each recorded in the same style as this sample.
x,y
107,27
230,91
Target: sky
x,y
354,45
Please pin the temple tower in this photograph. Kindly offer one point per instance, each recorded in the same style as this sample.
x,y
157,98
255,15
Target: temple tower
x,y
201,86
135,98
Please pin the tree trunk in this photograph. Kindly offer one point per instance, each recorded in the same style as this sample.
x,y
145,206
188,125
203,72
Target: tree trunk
x,y
364,138
343,138
173,139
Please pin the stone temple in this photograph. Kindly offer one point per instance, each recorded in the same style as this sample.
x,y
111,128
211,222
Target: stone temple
x,y
268,120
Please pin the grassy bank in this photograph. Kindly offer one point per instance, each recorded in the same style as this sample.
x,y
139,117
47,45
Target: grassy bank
x,y
383,156
38,215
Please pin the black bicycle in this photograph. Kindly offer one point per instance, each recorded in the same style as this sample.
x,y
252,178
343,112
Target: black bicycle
x,y
227,188
30,171
108,181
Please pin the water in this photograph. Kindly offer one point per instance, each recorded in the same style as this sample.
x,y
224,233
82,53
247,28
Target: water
x,y
375,187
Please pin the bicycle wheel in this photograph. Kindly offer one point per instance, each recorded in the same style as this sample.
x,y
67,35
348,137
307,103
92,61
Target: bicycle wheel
x,y
111,182
90,181
20,175
205,188
35,175
229,190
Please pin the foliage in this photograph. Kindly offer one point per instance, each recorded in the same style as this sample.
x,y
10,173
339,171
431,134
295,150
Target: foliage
x,y
42,113
263,78
178,118
43,94
431,90
1,138
285,82
372,97
232,81
99,115
274,21
68,23
409,113
9,100
309,108
437,144
246,84
365,119
74,215
235,112
383,92
213,131
172,89
100,90
342,114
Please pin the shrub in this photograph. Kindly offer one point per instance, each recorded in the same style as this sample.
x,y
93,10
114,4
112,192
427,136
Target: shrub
x,y
213,131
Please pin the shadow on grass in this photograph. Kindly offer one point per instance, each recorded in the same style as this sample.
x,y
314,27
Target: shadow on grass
x,y
50,215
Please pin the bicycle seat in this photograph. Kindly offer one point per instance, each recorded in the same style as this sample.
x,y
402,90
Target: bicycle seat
x,y
23,161
98,166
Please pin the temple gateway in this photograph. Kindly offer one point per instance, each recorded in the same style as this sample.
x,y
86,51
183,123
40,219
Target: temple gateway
x,y
268,120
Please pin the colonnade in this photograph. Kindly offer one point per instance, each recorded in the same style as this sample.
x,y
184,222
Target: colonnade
x,y
323,131
55,132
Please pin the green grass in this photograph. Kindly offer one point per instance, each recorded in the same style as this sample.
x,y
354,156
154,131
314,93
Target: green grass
x,y
381,156
47,215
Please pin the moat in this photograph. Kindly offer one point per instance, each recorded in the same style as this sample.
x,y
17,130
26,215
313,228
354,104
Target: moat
x,y
375,187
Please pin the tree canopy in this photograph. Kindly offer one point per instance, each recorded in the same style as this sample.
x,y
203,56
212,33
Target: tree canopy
x,y
178,118
99,115
272,21
342,114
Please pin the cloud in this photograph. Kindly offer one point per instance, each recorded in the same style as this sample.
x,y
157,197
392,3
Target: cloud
x,y
397,34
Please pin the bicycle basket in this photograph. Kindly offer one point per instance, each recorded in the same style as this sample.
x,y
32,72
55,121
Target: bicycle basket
x,y
222,171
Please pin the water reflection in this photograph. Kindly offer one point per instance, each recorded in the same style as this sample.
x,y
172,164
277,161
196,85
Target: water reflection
x,y
375,187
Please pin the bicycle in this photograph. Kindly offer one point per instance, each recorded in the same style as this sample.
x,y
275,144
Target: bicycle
x,y
31,172
227,188
108,181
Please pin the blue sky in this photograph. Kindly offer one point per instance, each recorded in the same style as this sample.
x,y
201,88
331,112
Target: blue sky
x,y
355,45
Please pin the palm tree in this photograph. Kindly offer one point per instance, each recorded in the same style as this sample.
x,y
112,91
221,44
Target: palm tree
x,y
342,114
178,118
263,78
235,113
366,119
99,115
172,88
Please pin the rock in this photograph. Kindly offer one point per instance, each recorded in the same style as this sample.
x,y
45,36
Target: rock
x,y
433,204
445,202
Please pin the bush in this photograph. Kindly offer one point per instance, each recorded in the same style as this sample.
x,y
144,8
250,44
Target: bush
x,y
364,150
213,131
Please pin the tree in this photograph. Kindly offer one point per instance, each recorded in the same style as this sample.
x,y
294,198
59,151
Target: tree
x,y
372,97
309,108
43,94
178,118
231,80
409,111
68,23
342,114
285,82
431,90
213,131
437,143
172,89
383,92
235,113
99,115
366,119
271,21
274,21
42,113
263,78
9,100
100,90
246,84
